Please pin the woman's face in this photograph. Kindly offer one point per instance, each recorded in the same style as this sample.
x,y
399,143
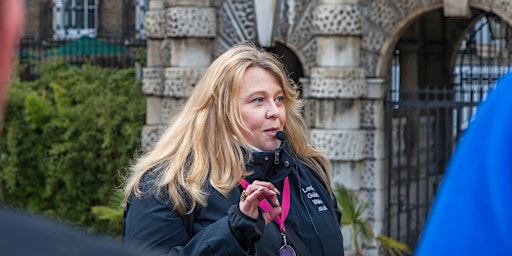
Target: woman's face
x,y
261,105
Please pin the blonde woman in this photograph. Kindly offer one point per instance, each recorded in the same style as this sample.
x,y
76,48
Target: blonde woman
x,y
234,173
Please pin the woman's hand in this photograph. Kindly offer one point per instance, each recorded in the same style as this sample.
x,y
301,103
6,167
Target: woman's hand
x,y
257,191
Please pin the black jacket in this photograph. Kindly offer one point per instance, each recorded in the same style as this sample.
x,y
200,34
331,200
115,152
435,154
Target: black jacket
x,y
222,229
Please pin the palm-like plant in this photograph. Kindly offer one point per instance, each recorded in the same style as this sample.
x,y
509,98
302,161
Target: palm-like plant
x,y
352,209
113,212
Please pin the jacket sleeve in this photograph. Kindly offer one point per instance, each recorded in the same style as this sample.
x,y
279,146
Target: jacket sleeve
x,y
156,226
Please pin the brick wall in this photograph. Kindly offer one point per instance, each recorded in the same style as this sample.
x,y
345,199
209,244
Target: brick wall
x,y
110,18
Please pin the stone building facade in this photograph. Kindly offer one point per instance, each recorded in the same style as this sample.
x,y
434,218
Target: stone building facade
x,y
344,51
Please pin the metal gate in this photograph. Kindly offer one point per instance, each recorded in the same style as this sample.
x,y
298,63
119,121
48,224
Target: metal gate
x,y
424,125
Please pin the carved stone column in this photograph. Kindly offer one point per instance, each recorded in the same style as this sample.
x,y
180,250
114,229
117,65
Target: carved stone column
x,y
180,36
346,110
335,89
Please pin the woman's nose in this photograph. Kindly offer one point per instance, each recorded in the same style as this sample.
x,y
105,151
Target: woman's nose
x,y
272,111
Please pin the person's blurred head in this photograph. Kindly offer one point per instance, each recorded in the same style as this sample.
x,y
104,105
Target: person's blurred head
x,y
12,16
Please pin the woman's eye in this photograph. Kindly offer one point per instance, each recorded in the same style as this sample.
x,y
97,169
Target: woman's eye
x,y
258,100
280,99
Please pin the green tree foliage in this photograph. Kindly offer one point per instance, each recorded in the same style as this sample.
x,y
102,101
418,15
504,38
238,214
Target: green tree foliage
x,y
67,140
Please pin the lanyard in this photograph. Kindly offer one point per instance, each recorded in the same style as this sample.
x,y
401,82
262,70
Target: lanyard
x,y
266,206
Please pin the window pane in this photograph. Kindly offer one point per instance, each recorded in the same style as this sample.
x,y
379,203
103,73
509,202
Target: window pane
x,y
68,19
90,19
80,19
67,14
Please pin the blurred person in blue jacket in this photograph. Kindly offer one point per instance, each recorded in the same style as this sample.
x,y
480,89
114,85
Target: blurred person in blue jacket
x,y
472,212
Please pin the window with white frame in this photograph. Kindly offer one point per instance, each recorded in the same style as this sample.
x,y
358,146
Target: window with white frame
x,y
140,11
75,18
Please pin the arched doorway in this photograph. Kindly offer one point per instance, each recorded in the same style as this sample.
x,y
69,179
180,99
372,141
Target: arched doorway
x,y
442,68
289,60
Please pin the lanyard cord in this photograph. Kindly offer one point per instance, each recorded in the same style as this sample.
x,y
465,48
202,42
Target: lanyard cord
x,y
266,206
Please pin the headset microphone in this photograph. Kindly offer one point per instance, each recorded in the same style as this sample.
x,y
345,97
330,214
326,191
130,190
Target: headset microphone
x,y
281,135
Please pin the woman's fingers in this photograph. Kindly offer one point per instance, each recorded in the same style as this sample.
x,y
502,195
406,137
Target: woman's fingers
x,y
258,184
271,214
257,191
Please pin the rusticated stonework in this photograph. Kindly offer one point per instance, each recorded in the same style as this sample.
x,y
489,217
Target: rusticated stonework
x,y
346,82
152,81
340,144
154,24
190,22
179,81
150,135
344,19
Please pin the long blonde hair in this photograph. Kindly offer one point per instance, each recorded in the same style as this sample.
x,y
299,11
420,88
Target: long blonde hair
x,y
203,144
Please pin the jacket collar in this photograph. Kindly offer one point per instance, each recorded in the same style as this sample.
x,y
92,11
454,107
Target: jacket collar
x,y
273,165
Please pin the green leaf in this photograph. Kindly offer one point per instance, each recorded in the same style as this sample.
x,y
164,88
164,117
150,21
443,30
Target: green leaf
x,y
353,209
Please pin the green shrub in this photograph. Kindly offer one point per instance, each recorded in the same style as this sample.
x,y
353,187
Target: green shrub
x,y
352,209
67,140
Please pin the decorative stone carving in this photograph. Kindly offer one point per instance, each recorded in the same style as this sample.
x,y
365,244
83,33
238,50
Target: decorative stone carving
x,y
339,19
243,13
236,24
374,174
431,2
166,52
373,40
374,144
150,135
383,15
180,81
154,24
152,81
190,22
219,47
282,24
340,144
407,7
171,107
307,54
369,63
339,82
372,115
229,34
171,3
483,4
302,31
503,6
